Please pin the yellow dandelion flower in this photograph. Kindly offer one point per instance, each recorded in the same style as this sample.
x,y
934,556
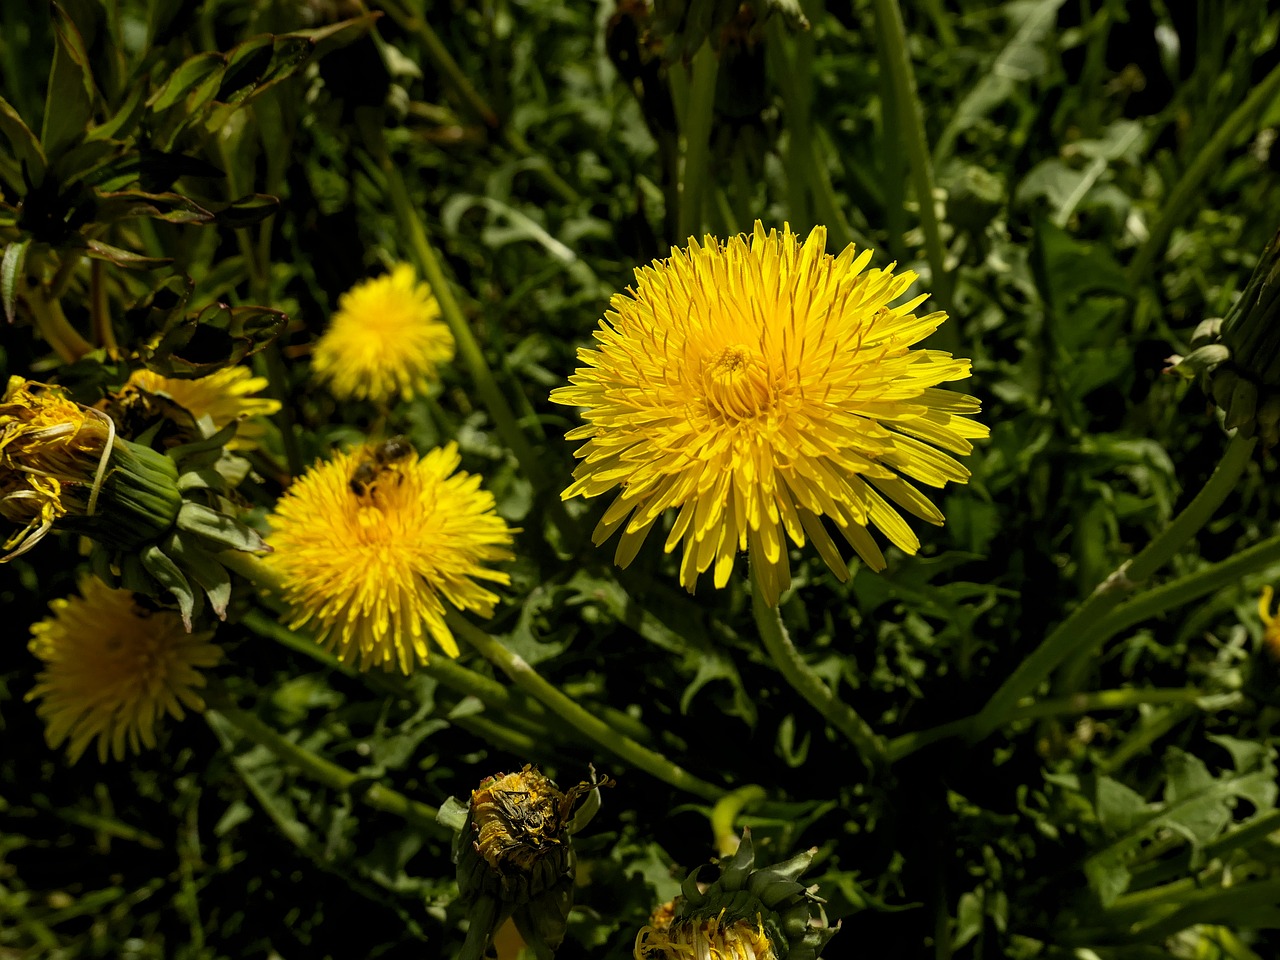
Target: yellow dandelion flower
x,y
385,341
53,456
1270,622
113,669
371,545
758,386
224,397
704,938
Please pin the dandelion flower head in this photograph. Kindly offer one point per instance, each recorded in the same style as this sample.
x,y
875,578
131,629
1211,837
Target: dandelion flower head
x,y
225,396
385,342
370,549
112,669
53,453
762,387
704,938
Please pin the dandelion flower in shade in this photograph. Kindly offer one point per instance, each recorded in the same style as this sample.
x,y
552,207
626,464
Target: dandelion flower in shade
x,y
224,397
1270,622
762,389
112,669
385,341
372,545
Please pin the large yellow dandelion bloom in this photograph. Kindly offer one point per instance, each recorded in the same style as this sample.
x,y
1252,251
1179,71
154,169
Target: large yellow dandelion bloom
x,y
370,547
385,341
708,938
224,396
758,386
113,669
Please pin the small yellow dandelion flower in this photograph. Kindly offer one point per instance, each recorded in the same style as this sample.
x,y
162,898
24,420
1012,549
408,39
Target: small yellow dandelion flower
x,y
370,546
113,669
1270,622
708,938
224,397
385,341
759,386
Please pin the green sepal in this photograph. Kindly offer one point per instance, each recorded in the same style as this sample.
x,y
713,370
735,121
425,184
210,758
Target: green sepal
x,y
15,255
171,578
219,530
453,813
204,569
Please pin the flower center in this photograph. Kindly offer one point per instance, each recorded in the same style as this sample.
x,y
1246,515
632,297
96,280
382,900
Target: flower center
x,y
735,385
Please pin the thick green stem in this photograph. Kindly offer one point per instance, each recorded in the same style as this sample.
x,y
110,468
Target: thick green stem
x,y
330,774
697,141
1185,196
495,402
808,684
1177,593
909,743
1079,628
896,60
526,678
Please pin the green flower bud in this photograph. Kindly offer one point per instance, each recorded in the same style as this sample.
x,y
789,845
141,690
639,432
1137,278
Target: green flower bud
x,y
745,914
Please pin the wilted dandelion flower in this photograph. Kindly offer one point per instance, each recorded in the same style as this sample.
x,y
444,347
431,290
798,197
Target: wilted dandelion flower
x,y
113,669
385,341
758,386
708,938
370,548
224,396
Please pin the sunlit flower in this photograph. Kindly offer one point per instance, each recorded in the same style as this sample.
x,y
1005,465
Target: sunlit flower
x,y
705,939
1270,622
759,386
112,669
371,546
385,341
224,396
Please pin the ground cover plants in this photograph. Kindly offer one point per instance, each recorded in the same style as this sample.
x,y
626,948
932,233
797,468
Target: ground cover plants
x,y
639,479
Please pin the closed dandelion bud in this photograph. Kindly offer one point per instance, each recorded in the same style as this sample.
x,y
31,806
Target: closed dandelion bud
x,y
745,914
683,25
514,855
1245,369
63,464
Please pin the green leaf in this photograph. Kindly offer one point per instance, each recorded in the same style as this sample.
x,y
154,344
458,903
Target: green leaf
x,y
70,98
190,74
26,147
15,255
121,258
170,207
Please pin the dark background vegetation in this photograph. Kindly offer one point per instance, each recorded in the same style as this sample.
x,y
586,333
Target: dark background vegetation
x,y
1060,130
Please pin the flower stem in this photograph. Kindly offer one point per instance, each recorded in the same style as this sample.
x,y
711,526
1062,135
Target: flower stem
x,y
1185,194
526,678
697,141
1122,699
468,348
1080,627
326,772
808,684
897,61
